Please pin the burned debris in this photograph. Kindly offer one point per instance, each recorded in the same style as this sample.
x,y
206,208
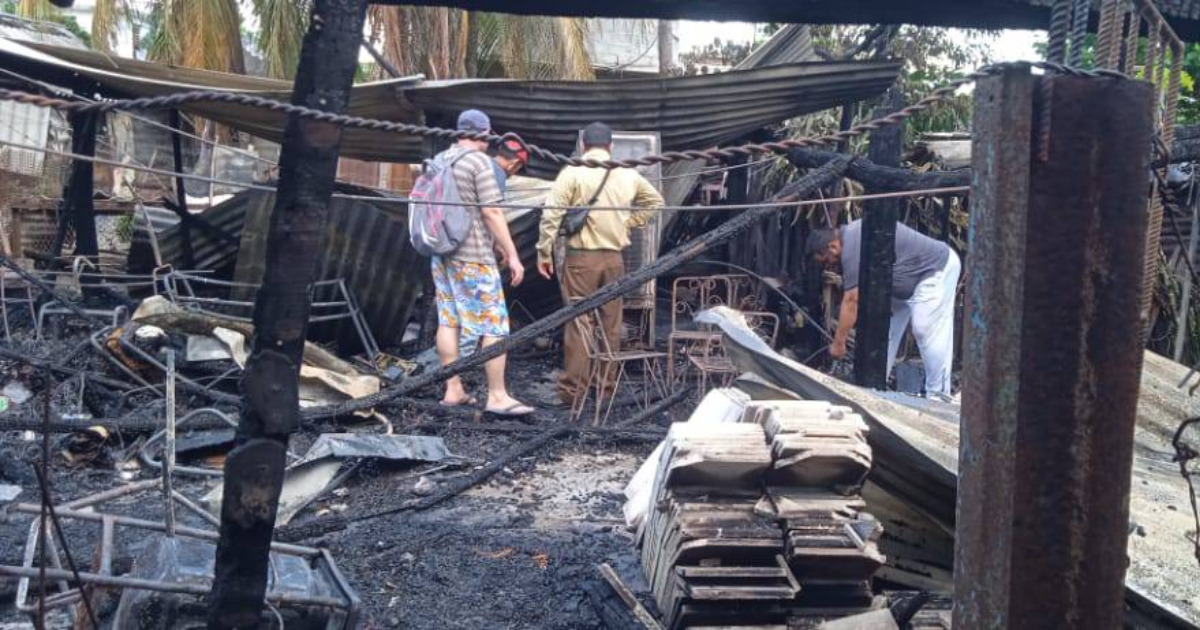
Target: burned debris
x,y
224,410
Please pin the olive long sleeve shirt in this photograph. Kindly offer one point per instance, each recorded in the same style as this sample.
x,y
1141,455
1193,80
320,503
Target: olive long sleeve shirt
x,y
606,230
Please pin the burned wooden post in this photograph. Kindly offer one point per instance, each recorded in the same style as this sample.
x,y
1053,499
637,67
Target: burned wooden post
x,y
270,411
78,210
1052,350
878,255
181,204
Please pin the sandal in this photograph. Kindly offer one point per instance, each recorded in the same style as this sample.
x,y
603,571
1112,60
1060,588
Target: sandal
x,y
518,410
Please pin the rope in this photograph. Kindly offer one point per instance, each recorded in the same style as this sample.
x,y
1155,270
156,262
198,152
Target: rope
x,y
175,101
505,206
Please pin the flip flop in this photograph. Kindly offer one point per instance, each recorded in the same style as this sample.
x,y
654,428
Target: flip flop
x,y
469,401
519,410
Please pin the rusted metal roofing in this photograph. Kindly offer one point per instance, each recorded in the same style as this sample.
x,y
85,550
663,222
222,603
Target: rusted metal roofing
x,y
791,44
689,112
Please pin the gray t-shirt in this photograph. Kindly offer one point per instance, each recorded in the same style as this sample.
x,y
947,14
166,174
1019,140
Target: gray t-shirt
x,y
917,258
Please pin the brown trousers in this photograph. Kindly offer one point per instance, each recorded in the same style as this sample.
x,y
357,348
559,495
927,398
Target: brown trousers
x,y
583,274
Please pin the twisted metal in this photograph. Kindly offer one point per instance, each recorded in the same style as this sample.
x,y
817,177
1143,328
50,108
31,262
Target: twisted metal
x,y
1060,22
173,101
1081,10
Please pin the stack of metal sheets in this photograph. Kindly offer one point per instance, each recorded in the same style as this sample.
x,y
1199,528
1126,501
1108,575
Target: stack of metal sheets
x,y
705,548
821,460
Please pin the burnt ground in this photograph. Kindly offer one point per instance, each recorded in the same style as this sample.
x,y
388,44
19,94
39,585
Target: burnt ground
x,y
513,552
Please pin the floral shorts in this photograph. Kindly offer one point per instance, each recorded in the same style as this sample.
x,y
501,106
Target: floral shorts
x,y
470,298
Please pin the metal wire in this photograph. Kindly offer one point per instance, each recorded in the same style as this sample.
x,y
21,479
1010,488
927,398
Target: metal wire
x,y
174,101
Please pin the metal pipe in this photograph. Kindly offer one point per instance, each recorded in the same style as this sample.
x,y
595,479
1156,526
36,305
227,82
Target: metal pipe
x,y
111,581
129,521
169,446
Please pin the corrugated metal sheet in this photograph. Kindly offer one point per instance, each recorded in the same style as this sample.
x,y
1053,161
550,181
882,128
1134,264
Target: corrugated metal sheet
x,y
790,44
689,112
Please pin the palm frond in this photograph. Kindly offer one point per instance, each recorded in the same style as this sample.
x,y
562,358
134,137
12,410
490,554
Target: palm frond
x,y
199,34
107,19
40,10
281,28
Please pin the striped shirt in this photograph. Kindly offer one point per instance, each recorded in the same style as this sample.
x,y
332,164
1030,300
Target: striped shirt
x,y
476,184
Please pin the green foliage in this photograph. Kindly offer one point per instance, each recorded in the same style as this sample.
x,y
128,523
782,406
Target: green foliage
x,y
45,11
716,55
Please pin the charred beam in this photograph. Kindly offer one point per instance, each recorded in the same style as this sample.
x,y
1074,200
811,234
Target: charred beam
x,y
878,253
77,210
181,204
1053,354
270,384
881,178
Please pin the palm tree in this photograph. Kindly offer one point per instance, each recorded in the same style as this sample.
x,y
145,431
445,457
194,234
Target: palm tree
x,y
446,43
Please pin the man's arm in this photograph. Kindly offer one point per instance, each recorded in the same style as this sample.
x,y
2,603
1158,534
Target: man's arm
x,y
494,219
560,198
846,320
647,200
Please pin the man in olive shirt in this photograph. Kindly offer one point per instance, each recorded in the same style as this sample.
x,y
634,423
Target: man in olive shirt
x,y
924,284
594,254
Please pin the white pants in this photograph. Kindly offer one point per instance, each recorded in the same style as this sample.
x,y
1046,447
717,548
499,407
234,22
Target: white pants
x,y
931,309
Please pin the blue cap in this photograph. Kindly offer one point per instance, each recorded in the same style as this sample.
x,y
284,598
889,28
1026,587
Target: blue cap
x,y
474,120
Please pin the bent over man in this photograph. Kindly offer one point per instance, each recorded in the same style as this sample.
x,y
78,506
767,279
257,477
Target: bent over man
x,y
470,297
594,253
924,283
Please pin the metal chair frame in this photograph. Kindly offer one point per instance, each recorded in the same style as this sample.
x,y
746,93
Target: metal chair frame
x,y
609,365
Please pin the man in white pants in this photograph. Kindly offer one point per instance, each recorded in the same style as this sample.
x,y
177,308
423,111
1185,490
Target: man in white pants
x,y
924,282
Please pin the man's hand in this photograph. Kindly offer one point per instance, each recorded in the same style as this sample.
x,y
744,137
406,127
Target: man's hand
x,y
546,268
837,349
516,269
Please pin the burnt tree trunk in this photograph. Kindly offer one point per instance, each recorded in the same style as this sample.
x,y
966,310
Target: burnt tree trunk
x,y
78,211
878,255
270,409
181,205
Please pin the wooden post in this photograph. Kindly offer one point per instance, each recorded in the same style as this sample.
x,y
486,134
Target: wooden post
x,y
181,205
877,257
1052,352
78,210
270,411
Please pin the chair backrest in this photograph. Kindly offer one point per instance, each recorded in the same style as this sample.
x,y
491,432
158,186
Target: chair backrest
x,y
692,294
590,328
765,325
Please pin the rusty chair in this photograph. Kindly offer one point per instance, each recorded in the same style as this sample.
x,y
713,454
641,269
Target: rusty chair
x,y
609,370
689,296
712,363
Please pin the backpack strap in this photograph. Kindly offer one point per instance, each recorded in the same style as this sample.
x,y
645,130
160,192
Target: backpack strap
x,y
591,202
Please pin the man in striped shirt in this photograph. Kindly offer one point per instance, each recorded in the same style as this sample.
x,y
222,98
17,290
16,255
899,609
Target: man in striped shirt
x,y
470,297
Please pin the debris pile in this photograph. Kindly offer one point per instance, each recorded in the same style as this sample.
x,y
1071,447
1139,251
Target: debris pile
x,y
759,521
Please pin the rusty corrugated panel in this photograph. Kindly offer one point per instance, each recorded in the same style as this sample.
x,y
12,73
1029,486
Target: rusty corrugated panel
x,y
689,112
791,44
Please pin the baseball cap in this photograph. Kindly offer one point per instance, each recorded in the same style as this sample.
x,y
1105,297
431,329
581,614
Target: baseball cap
x,y
474,120
597,134
513,150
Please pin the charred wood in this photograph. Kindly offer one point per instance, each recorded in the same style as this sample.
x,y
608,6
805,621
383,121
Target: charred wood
x,y
877,178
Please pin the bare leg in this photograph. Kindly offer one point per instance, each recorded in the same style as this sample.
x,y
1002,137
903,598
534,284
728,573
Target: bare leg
x,y
447,349
498,396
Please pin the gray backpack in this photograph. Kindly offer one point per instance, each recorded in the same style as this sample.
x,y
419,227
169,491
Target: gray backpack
x,y
437,221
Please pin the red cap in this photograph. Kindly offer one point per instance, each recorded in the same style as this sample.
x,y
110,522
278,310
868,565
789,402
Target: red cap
x,y
515,149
